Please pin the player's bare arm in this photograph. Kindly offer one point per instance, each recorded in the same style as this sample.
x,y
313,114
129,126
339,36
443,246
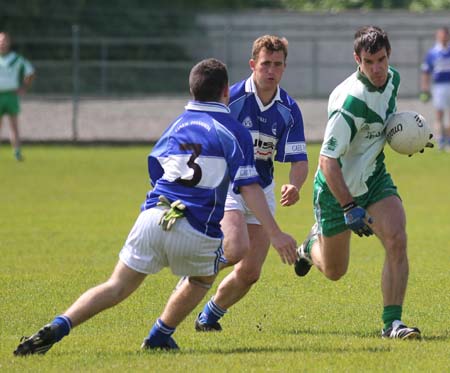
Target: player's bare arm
x,y
27,81
335,180
290,193
284,244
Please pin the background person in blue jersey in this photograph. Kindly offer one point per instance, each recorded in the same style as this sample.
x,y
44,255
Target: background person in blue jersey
x,y
352,182
192,165
436,79
16,76
275,123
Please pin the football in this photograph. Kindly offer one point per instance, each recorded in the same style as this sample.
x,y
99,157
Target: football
x,y
407,132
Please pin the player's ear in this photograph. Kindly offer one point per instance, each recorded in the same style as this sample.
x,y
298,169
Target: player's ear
x,y
226,95
357,58
252,64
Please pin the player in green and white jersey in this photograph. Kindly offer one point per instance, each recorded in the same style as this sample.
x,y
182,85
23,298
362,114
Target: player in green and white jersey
x,y
352,189
16,76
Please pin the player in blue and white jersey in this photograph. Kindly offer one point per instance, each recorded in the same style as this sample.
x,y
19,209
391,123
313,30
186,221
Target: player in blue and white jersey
x,y
352,189
436,79
191,168
16,76
276,126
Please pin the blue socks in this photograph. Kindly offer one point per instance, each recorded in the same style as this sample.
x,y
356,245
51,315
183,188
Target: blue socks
x,y
65,324
211,313
160,334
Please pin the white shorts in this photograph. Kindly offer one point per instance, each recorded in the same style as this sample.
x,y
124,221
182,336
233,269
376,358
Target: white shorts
x,y
187,252
441,96
236,202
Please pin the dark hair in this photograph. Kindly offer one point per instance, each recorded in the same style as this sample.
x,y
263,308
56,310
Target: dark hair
x,y
371,39
272,43
207,80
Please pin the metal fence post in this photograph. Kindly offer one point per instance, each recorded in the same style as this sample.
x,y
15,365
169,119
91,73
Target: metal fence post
x,y
104,67
75,79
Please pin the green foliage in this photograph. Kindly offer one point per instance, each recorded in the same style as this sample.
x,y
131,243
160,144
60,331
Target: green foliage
x,y
65,213
333,5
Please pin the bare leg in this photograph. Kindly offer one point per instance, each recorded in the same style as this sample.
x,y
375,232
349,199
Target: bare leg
x,y
236,241
440,128
14,126
184,299
120,285
245,273
389,226
331,255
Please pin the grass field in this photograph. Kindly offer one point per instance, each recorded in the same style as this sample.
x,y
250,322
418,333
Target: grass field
x,y
66,211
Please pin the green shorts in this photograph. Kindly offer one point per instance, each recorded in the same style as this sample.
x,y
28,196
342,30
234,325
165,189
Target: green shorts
x,y
9,103
329,213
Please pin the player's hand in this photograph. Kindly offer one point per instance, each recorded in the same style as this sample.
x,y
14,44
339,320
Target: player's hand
x,y
289,195
286,246
357,219
427,145
425,96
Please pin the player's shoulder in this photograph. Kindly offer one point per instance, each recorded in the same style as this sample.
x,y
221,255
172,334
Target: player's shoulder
x,y
227,122
395,73
349,86
288,100
237,90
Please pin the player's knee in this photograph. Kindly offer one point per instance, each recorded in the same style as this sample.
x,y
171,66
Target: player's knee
x,y
395,244
202,282
334,273
116,290
235,255
249,275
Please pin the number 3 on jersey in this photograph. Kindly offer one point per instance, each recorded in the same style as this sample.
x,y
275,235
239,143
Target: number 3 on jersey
x,y
197,175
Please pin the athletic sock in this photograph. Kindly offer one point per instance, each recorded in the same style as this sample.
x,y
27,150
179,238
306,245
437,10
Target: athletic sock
x,y
18,154
211,313
307,249
64,326
390,314
160,334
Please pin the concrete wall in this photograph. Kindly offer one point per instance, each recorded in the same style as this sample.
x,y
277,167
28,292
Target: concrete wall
x,y
320,44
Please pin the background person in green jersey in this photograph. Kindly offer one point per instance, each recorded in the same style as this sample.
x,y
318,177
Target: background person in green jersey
x,y
352,189
16,76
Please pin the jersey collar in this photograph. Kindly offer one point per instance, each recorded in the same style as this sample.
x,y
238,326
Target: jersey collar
x,y
440,47
207,106
370,87
251,88
7,58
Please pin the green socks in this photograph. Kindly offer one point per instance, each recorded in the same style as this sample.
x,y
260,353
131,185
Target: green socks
x,y
390,314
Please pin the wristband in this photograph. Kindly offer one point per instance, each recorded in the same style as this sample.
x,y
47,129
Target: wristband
x,y
349,206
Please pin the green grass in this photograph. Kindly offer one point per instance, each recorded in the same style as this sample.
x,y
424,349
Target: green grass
x,y
65,213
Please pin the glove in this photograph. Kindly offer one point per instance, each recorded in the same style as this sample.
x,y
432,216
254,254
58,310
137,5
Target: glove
x,y
356,218
427,145
425,96
172,212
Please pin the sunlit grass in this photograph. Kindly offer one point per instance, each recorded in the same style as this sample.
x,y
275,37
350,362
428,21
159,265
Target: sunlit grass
x,y
65,213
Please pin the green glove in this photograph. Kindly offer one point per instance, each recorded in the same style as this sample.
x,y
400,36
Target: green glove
x,y
172,212
425,96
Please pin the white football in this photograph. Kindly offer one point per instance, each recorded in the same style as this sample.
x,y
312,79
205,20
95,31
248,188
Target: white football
x,y
407,132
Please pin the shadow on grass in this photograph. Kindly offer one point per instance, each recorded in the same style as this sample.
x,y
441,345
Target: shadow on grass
x,y
315,332
445,336
301,348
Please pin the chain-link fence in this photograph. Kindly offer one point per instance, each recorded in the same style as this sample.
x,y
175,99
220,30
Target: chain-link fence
x,y
128,88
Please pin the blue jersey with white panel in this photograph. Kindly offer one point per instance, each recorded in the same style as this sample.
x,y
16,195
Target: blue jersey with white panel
x,y
437,63
195,160
276,129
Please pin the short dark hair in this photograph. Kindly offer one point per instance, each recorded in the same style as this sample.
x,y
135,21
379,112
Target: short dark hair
x,y
208,79
371,39
272,43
